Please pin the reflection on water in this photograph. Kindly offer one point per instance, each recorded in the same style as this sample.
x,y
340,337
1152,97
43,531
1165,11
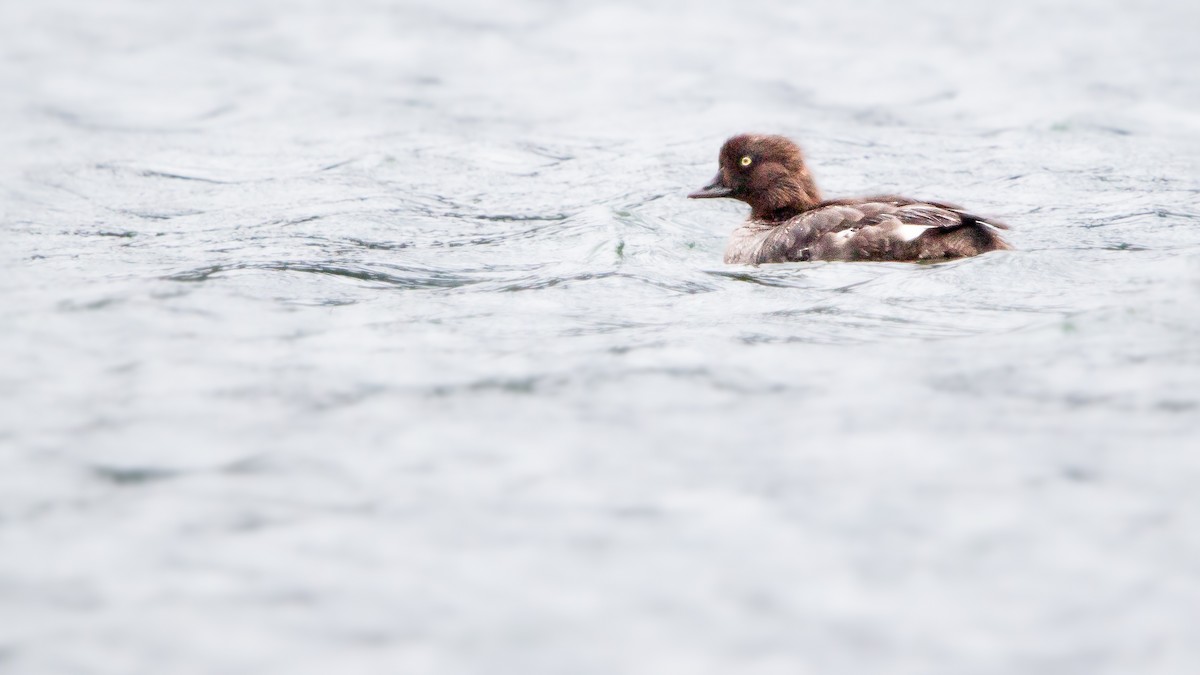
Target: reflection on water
x,y
381,338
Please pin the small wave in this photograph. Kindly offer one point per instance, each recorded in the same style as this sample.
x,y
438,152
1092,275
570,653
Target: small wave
x,y
393,276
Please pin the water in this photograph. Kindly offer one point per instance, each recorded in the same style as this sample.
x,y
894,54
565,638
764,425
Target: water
x,y
380,338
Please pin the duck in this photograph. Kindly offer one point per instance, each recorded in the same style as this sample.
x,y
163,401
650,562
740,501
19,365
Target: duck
x,y
790,220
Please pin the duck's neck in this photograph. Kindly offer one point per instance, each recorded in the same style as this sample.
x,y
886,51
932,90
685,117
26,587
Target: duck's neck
x,y
787,198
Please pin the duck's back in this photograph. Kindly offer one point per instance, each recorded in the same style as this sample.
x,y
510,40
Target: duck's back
x,y
876,228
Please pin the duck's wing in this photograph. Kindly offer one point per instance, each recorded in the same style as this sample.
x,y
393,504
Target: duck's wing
x,y
943,215
882,228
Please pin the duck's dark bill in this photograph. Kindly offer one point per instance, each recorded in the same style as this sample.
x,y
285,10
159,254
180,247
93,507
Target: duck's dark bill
x,y
715,188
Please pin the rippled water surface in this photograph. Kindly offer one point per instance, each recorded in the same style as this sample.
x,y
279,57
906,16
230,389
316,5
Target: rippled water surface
x,y
368,337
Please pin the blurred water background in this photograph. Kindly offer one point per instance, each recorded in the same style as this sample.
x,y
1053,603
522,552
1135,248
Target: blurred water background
x,y
372,337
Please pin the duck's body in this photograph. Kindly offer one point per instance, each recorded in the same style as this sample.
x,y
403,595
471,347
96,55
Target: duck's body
x,y
789,221
876,228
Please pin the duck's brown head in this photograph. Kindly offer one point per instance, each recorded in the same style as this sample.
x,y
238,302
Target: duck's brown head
x,y
766,172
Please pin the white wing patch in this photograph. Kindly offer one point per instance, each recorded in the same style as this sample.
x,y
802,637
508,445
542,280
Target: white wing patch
x,y
908,232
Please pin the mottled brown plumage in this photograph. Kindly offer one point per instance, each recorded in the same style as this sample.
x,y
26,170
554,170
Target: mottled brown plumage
x,y
789,220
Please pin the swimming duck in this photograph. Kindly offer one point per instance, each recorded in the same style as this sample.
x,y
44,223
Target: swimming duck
x,y
790,221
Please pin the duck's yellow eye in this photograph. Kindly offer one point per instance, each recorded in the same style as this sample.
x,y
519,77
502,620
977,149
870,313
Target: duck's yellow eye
x,y
746,160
